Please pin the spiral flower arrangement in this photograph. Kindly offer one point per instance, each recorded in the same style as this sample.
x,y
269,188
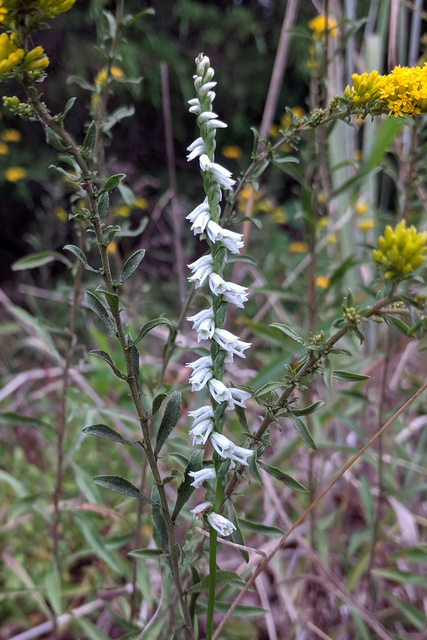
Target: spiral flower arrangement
x,y
208,421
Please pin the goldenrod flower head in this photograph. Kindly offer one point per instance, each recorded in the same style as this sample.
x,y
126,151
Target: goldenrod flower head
x,y
123,211
232,151
319,25
366,87
61,214
366,225
4,149
361,208
13,174
10,54
31,12
115,72
322,282
405,90
298,247
278,215
35,60
112,248
322,223
52,8
140,202
332,238
10,135
400,251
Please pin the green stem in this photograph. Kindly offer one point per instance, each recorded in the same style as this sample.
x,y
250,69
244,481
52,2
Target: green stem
x,y
213,538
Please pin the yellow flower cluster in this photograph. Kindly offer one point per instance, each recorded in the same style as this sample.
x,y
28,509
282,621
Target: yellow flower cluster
x,y
18,11
403,91
319,25
11,56
400,251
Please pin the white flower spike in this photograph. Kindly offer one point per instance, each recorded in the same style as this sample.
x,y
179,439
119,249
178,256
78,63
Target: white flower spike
x,y
224,526
200,510
201,476
228,450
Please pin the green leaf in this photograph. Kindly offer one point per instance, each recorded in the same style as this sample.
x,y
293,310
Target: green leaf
x,y
90,630
241,611
90,138
145,553
138,16
157,402
120,485
68,105
103,204
185,490
105,356
412,614
81,256
283,477
412,554
52,583
134,355
112,299
130,266
127,194
112,183
169,420
65,174
349,376
404,577
327,372
13,418
287,331
102,431
154,323
97,544
39,259
221,577
399,324
160,533
262,529
253,468
53,139
308,410
98,308
303,431
237,535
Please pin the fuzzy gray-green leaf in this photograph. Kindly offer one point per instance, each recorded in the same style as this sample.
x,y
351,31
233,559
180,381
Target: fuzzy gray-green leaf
x,y
130,266
169,420
98,308
102,431
81,256
120,485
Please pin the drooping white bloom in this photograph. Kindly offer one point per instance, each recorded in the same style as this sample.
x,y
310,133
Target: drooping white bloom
x,y
235,294
219,391
224,526
216,124
206,87
238,396
200,509
227,449
217,285
221,175
200,476
196,149
204,324
205,116
202,424
195,106
200,217
202,372
230,239
230,343
201,269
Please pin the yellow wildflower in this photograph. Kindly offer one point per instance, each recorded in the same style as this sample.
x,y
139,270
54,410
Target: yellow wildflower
x,y
361,208
52,8
123,211
31,12
101,76
4,149
232,151
322,282
358,155
285,120
112,248
265,206
322,223
61,214
273,132
278,215
10,135
400,251
10,54
13,174
322,197
140,203
366,88
298,247
405,90
35,59
319,25
366,225
332,238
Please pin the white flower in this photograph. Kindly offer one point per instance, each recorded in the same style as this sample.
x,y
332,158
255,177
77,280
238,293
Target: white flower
x,y
200,217
200,476
227,449
216,124
238,396
206,87
202,424
202,372
220,175
219,523
235,294
231,343
196,149
201,269
195,106
200,509
204,324
202,64
230,239
219,391
201,431
217,285
205,116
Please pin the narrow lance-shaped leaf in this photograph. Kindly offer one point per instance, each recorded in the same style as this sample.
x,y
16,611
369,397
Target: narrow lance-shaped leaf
x,y
81,256
120,485
237,535
283,477
105,356
185,490
90,137
287,331
154,323
112,299
157,402
98,308
349,376
169,420
39,259
130,266
65,174
103,204
160,533
221,577
102,431
303,431
112,183
308,410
